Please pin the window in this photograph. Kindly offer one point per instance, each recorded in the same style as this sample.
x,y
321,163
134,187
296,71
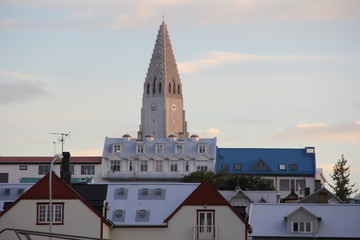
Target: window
x,y
173,166
202,148
87,170
143,166
179,148
42,170
130,166
302,227
202,166
115,166
44,213
140,148
237,166
225,166
158,166
117,148
159,148
293,167
282,167
300,185
187,166
284,185
205,225
23,167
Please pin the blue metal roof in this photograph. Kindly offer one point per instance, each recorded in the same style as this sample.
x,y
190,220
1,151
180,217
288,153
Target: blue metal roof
x,y
266,161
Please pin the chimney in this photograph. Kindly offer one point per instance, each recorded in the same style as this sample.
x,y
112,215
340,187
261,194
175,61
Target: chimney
x,y
65,168
318,184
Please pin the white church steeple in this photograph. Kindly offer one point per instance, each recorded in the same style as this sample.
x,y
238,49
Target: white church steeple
x,y
162,111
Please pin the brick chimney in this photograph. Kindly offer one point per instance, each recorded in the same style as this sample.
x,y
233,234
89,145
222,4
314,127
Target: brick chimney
x,y
65,173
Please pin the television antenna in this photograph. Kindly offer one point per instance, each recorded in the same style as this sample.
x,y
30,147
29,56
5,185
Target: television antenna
x,y
62,138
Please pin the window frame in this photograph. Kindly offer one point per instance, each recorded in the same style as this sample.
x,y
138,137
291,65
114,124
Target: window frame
x,y
23,167
302,226
46,221
173,166
87,169
117,148
225,166
143,166
202,148
140,148
237,166
159,148
179,148
43,169
115,165
293,167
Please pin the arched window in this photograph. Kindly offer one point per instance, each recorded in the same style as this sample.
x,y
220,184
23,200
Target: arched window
x,y
148,88
154,85
169,87
174,86
159,87
179,89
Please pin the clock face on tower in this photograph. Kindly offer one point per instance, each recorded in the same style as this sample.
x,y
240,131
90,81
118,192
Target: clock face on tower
x,y
173,107
153,106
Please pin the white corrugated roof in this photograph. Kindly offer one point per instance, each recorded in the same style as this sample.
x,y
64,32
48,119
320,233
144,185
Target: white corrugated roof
x,y
158,206
337,220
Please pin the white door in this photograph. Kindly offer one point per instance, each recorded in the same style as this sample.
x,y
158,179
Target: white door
x,y
206,226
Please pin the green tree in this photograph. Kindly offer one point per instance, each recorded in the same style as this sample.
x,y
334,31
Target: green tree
x,y
341,178
229,181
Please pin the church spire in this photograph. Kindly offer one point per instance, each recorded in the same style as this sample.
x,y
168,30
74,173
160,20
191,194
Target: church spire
x,y
162,111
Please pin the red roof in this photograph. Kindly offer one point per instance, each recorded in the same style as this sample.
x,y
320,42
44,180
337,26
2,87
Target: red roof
x,y
60,190
48,160
206,194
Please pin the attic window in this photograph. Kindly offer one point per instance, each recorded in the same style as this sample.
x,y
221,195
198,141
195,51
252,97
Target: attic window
x,y
302,227
225,166
158,191
7,191
119,213
121,191
117,148
20,191
282,167
293,167
145,191
43,213
237,166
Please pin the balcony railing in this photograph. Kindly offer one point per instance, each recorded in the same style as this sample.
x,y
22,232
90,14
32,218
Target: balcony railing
x,y
205,232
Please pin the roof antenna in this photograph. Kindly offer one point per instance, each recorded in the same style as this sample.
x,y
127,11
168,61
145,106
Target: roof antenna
x,y
163,18
62,138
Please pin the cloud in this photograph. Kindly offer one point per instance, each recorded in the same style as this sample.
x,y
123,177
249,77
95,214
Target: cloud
x,y
217,58
209,133
88,152
19,91
114,14
337,133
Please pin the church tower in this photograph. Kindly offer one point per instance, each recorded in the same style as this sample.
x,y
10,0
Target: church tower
x,y
162,111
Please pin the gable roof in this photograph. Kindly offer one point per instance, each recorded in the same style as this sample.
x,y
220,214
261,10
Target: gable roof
x,y
321,196
206,194
304,158
261,166
301,209
60,190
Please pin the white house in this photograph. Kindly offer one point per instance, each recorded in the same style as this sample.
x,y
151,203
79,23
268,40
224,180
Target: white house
x,y
72,214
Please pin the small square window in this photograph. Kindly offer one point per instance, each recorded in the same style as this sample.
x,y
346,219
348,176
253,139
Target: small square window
x,y
202,148
282,167
293,167
117,148
140,148
159,148
179,148
42,170
237,166
88,170
23,167
225,166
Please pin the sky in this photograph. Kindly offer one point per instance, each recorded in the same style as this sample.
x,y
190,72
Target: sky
x,y
255,73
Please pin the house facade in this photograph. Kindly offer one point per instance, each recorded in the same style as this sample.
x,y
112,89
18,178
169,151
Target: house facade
x,y
156,159
72,215
16,169
291,170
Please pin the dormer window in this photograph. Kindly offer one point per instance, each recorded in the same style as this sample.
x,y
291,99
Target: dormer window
x,y
117,148
179,148
159,148
202,148
140,148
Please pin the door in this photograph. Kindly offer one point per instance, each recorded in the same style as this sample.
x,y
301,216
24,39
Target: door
x,y
206,226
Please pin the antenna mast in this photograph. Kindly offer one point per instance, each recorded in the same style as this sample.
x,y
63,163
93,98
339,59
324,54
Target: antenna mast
x,y
62,138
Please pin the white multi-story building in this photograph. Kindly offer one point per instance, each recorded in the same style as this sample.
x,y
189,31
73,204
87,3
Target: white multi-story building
x,y
152,158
